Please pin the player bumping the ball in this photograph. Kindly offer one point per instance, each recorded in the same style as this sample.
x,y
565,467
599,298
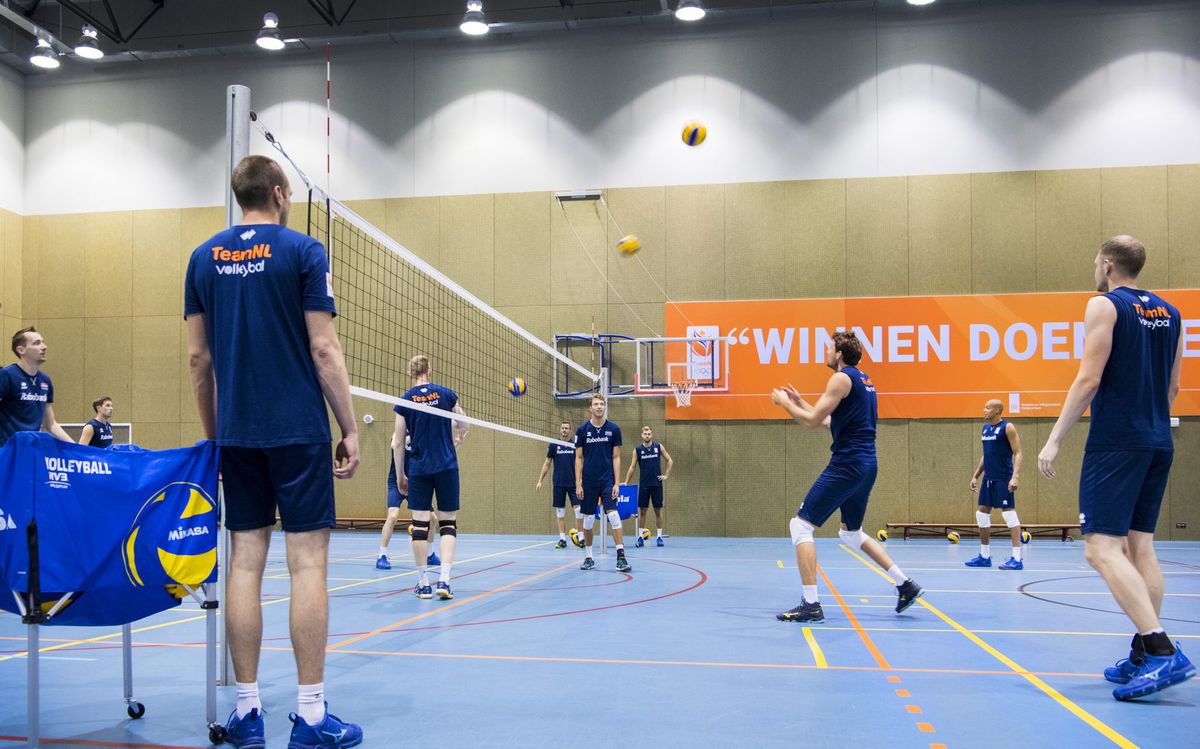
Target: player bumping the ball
x,y
849,410
597,465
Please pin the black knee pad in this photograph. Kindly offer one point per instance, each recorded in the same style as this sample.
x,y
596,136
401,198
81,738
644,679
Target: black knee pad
x,y
420,530
448,527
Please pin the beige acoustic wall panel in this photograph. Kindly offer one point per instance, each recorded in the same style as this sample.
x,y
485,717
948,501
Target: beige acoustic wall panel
x,y
695,229
1135,202
523,249
187,400
66,340
578,248
12,234
197,225
155,435
940,460
62,277
638,320
31,249
892,495
755,478
756,246
468,243
415,224
1069,228
695,496
939,234
1185,477
108,264
1058,498
373,212
519,506
1003,241
158,265
477,475
157,384
1183,226
877,236
107,361
814,220
639,277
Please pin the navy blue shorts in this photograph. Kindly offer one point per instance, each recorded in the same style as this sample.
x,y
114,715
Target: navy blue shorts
x,y
842,485
394,497
296,479
994,493
560,495
421,490
596,496
648,494
1122,490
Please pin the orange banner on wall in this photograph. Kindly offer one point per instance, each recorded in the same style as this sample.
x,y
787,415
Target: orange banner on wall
x,y
929,357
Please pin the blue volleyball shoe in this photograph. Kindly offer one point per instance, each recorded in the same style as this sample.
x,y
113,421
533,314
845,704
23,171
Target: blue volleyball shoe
x,y
1156,672
979,561
382,563
433,560
1122,671
1013,564
247,732
330,733
443,591
659,542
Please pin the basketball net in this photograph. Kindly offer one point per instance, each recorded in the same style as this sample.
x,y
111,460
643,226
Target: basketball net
x,y
683,392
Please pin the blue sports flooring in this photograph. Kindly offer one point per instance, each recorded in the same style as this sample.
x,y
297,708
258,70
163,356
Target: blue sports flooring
x,y
684,652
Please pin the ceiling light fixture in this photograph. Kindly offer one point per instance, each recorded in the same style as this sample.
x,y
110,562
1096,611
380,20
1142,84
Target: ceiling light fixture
x,y
689,10
268,37
88,46
920,2
473,22
44,55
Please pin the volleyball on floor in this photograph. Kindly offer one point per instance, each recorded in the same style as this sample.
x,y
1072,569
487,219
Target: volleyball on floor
x,y
516,387
576,537
644,533
629,244
881,535
1026,537
694,133
953,537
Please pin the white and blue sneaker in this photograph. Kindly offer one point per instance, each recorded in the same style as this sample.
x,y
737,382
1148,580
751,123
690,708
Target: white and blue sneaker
x,y
247,732
1156,672
659,542
979,561
382,563
424,592
443,591
433,560
1013,564
328,734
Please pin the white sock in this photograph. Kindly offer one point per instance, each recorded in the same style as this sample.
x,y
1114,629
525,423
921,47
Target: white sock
x,y
896,575
382,551
985,551
562,537
247,698
810,594
620,547
311,703
589,551
660,532
1017,553
444,574
422,574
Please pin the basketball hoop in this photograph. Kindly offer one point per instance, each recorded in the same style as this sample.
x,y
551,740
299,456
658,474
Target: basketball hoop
x,y
683,392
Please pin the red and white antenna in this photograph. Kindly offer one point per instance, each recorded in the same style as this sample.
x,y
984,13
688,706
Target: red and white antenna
x,y
328,116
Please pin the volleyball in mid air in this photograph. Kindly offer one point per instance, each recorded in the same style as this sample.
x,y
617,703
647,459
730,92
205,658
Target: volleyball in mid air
x,y
629,244
516,387
694,133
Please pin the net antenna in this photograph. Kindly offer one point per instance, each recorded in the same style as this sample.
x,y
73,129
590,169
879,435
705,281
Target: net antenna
x,y
393,305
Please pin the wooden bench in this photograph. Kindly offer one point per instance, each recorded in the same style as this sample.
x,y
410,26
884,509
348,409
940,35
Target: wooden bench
x,y
1062,530
369,524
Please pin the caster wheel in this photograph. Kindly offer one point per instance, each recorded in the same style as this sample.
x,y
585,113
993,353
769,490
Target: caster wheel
x,y
216,734
136,710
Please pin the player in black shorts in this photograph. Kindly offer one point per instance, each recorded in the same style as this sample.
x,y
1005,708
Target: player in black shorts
x,y
647,457
562,459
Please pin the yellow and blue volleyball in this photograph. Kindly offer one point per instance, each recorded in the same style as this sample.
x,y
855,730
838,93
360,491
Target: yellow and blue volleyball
x,y
694,133
1026,537
644,533
629,244
881,535
953,537
516,387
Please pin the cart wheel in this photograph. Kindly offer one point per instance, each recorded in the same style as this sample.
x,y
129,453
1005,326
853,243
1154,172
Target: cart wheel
x,y
136,710
216,734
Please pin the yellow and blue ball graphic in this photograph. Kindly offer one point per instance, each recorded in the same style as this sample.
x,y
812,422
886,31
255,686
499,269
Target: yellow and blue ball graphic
x,y
173,539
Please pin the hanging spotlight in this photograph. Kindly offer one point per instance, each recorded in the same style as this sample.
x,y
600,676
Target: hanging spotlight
x,y
44,55
473,22
689,10
919,2
88,45
268,37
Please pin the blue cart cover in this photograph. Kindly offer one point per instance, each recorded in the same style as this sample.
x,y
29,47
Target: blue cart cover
x,y
122,529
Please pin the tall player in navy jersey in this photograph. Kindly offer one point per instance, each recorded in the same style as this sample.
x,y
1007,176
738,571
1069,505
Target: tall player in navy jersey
x,y
597,465
26,393
265,358
562,460
97,432
647,458
1000,467
848,409
1130,373
431,469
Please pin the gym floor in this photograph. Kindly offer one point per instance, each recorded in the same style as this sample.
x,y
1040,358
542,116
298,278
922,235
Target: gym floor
x,y
685,651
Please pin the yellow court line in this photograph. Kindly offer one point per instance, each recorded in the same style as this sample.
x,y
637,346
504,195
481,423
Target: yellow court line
x,y
1103,728
102,638
818,656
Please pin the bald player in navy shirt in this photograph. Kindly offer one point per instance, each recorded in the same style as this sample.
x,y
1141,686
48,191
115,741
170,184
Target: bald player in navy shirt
x,y
1129,375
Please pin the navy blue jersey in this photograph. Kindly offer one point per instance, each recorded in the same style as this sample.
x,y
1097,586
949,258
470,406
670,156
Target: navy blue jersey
x,y
432,445
101,434
1130,410
649,464
997,452
597,443
253,285
23,401
853,421
564,464
392,466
